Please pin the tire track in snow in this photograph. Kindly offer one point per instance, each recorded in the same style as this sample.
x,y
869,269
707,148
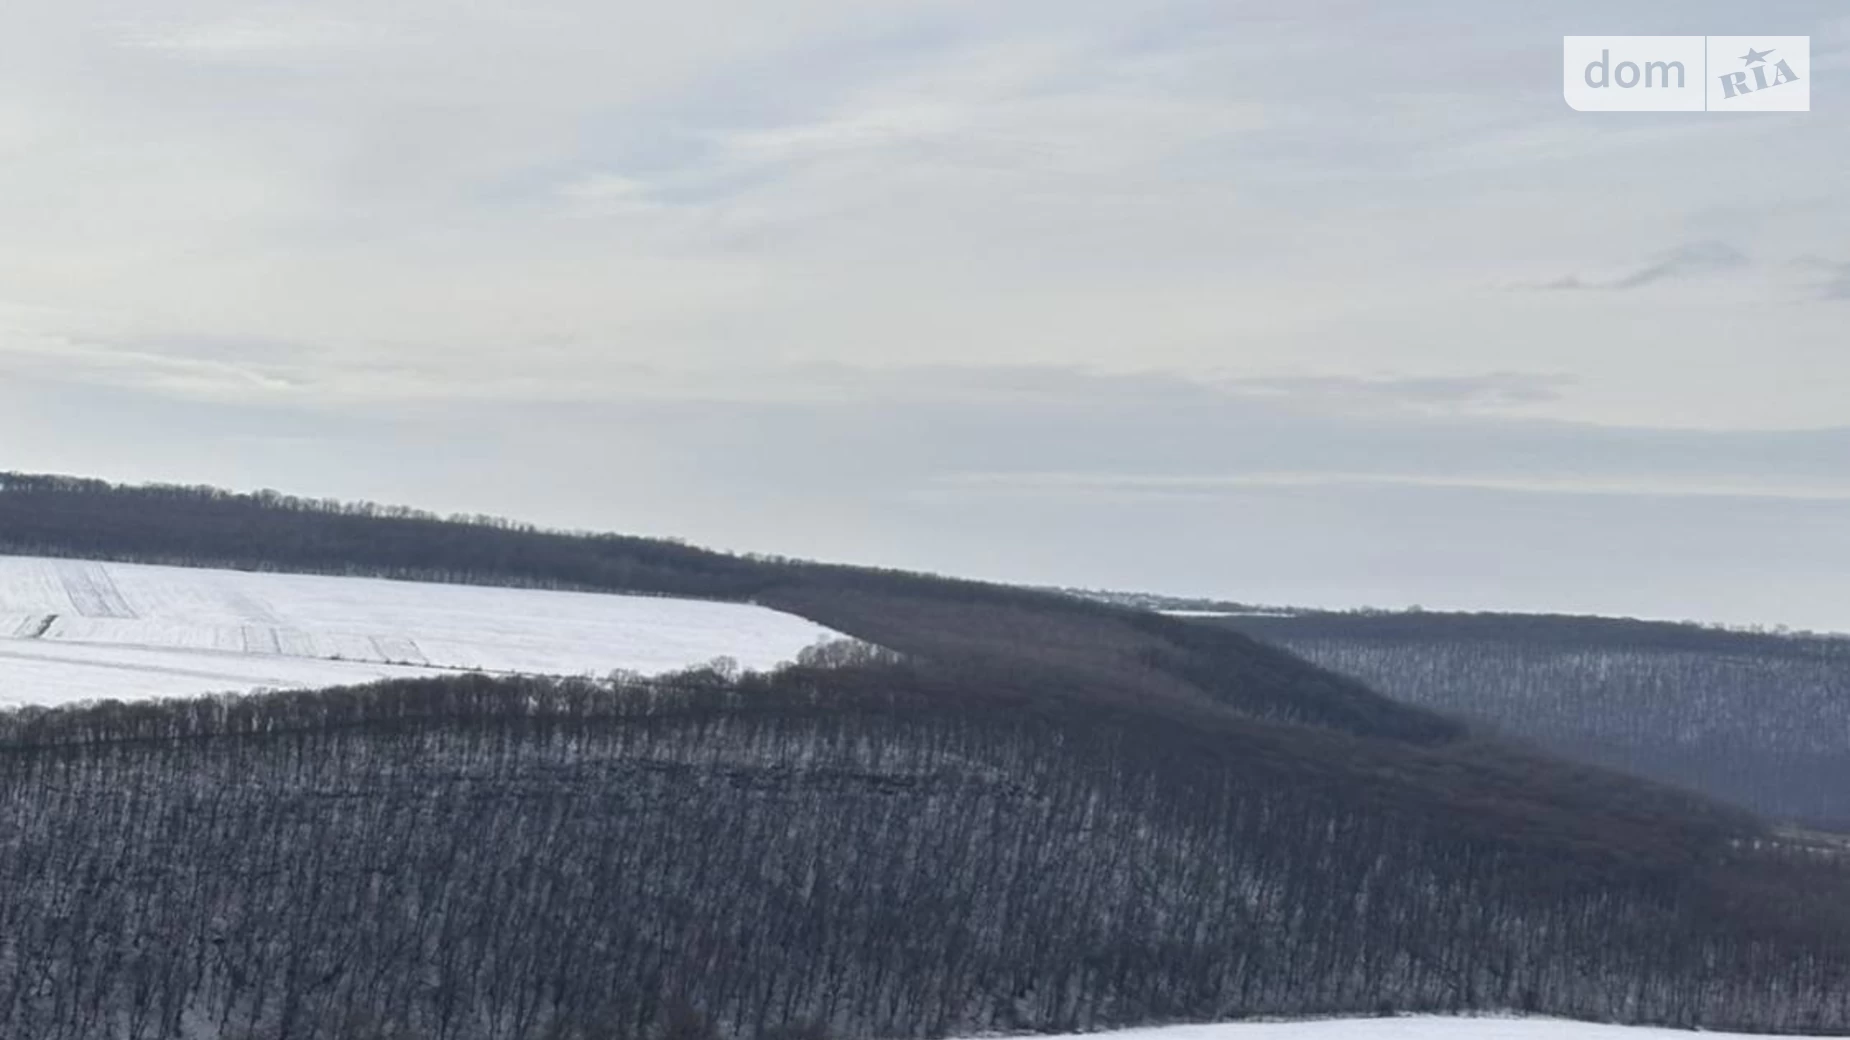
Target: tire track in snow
x,y
93,592
261,640
236,678
398,650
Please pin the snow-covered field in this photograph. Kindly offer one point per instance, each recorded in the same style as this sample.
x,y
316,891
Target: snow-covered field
x,y
77,630
1412,1028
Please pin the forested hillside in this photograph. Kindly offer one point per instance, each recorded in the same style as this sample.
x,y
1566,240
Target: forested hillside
x,y
1025,813
1760,719
869,849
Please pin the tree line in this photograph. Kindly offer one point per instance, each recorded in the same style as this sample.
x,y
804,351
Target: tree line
x,y
205,526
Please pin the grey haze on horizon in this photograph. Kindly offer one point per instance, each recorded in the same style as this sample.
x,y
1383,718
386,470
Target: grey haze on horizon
x,y
1320,303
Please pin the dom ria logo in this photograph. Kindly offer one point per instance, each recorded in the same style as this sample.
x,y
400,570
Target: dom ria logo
x,y
1734,84
1687,73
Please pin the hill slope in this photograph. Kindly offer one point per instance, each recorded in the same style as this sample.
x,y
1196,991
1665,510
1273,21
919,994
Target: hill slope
x,y
1083,650
1046,815
882,849
1762,720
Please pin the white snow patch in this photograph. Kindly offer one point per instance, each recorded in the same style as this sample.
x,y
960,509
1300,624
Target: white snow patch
x,y
1225,613
78,630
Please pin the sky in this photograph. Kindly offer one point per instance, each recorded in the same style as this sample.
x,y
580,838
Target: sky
x,y
1323,303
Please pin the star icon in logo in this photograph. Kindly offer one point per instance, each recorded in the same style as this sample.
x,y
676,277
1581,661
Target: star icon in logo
x,y
1754,57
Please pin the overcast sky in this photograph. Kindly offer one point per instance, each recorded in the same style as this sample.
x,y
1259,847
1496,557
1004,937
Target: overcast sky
x,y
1308,302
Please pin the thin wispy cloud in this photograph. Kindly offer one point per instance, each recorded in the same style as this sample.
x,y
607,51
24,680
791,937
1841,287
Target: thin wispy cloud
x,y
1694,260
1121,485
1829,279
1493,390
257,35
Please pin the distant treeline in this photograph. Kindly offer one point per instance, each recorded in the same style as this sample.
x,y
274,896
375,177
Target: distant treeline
x,y
1759,719
203,526
869,850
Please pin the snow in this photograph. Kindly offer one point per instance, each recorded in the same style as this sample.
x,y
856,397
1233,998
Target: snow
x,y
1409,1028
1224,613
79,630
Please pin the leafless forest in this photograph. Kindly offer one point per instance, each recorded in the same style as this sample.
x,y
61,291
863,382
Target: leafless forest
x,y
1024,813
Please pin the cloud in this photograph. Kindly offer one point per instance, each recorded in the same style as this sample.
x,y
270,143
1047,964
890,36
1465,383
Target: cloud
x,y
874,129
608,194
1120,485
957,429
1493,390
1830,279
257,35
184,375
1687,261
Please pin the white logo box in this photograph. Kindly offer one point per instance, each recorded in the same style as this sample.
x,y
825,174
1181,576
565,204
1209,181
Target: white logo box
x,y
1686,73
